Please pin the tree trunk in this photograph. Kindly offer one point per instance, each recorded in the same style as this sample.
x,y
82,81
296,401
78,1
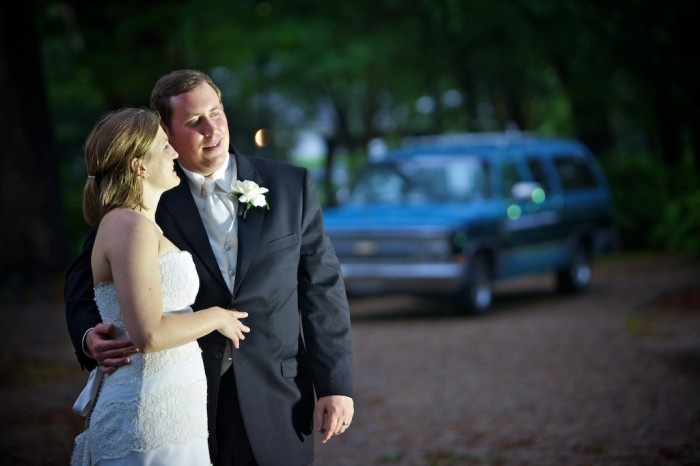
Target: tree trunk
x,y
35,247
589,107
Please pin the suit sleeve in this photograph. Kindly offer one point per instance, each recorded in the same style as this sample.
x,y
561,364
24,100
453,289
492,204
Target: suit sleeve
x,y
323,303
79,296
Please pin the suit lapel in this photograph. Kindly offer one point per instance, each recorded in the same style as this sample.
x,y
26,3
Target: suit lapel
x,y
250,227
179,206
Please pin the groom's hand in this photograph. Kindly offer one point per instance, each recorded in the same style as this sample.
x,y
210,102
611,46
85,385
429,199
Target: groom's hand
x,y
334,414
110,353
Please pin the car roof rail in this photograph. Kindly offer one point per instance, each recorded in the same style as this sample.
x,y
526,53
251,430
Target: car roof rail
x,y
490,138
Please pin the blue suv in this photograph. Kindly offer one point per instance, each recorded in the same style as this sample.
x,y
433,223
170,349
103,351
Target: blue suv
x,y
449,215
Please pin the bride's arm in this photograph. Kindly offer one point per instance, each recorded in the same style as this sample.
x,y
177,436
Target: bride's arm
x,y
131,248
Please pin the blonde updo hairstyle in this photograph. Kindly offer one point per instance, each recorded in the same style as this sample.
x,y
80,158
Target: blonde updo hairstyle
x,y
117,139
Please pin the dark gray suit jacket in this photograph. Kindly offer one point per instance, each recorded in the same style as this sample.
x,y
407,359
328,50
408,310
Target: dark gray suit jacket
x,y
288,280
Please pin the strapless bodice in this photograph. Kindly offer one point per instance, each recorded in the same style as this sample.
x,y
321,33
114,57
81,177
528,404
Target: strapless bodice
x,y
179,284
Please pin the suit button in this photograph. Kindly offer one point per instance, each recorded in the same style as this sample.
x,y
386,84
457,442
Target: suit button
x,y
219,355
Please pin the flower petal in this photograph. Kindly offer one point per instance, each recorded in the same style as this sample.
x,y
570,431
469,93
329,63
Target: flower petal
x,y
250,193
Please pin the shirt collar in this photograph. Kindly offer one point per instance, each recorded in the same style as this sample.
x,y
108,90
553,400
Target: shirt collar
x,y
223,177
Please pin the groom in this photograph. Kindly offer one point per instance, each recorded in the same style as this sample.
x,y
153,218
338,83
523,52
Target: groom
x,y
274,262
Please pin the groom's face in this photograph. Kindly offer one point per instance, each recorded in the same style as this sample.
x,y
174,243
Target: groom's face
x,y
199,130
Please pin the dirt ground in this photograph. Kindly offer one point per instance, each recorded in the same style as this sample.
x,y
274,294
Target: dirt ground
x,y
609,377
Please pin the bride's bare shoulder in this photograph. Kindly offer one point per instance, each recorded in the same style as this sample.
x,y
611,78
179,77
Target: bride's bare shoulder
x,y
126,223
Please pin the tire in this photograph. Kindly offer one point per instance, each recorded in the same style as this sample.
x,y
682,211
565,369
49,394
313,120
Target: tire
x,y
576,277
477,295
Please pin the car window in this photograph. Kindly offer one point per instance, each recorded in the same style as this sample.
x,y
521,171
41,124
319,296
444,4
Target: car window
x,y
574,173
511,175
539,174
423,180
382,184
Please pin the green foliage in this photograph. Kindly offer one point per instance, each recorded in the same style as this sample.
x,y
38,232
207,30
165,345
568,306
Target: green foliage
x,y
353,71
638,184
679,229
658,207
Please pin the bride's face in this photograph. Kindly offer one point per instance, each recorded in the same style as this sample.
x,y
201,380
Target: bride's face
x,y
160,163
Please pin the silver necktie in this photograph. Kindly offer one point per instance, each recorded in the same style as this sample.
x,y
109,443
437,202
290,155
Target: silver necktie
x,y
218,214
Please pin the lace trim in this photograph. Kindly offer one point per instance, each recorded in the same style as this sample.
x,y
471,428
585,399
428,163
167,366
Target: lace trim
x,y
179,284
138,413
179,280
172,415
146,365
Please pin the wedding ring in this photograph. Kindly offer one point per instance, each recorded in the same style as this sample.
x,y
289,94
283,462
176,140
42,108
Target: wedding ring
x,y
346,423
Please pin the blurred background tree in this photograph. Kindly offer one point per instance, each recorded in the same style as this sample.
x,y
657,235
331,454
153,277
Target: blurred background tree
x,y
329,81
34,239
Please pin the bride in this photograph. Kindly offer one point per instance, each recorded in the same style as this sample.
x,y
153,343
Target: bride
x,y
153,410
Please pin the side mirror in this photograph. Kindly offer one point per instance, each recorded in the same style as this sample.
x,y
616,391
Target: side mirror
x,y
523,190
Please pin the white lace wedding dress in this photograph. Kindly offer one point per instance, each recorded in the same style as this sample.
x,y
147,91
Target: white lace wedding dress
x,y
152,411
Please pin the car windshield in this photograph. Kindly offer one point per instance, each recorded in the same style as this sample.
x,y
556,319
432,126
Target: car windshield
x,y
423,180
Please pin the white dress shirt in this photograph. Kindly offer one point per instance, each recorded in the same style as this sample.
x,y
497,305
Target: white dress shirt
x,y
225,246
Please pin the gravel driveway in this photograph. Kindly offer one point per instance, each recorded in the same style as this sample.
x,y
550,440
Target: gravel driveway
x,y
610,377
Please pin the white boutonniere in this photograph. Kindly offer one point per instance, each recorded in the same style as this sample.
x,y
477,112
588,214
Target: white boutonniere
x,y
249,193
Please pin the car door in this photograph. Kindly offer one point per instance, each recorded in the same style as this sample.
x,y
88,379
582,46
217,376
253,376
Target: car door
x,y
528,220
585,200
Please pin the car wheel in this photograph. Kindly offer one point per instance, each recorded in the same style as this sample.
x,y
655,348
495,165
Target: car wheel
x,y
477,294
577,276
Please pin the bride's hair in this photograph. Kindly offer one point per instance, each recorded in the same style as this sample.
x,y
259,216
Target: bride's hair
x,y
118,138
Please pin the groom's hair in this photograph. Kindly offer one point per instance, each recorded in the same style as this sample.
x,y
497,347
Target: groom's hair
x,y
176,83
